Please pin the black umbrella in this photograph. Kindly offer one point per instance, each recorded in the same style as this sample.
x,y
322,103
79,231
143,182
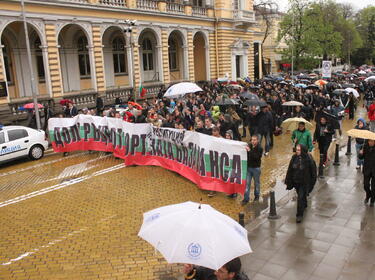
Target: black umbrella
x,y
348,85
312,87
227,101
332,119
254,102
248,95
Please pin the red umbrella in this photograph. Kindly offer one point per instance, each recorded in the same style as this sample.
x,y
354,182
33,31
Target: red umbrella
x,y
136,105
31,106
63,102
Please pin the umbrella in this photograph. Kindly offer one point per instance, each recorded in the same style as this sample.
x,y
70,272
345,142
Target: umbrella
x,y
321,82
228,101
362,72
300,85
348,85
194,234
292,103
370,78
63,102
352,90
180,89
312,87
31,106
292,123
339,91
235,86
255,102
361,133
248,95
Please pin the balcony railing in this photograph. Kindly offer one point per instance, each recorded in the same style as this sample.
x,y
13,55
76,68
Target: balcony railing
x,y
199,11
122,93
242,15
147,5
113,3
175,8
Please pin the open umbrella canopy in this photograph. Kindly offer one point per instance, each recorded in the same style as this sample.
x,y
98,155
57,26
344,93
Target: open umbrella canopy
x,y
248,95
339,91
371,78
300,86
348,85
292,124
312,87
196,234
135,105
352,90
321,82
361,72
31,106
255,102
227,101
64,102
292,103
180,89
361,133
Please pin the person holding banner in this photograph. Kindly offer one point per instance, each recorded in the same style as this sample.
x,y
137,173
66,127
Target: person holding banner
x,y
254,161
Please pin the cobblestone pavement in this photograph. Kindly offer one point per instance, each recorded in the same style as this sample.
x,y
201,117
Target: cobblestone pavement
x,y
77,217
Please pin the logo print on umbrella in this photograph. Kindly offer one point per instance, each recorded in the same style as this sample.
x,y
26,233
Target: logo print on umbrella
x,y
194,250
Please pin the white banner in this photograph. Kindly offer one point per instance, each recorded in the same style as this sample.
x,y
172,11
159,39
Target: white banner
x,y
326,69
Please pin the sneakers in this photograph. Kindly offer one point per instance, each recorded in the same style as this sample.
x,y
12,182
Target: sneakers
x,y
211,194
358,167
266,154
233,195
244,202
366,200
298,219
256,198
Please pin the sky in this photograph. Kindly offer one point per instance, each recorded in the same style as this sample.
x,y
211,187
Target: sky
x,y
357,4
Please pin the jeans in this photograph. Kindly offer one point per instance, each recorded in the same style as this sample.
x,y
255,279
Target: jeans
x,y
358,147
252,173
267,141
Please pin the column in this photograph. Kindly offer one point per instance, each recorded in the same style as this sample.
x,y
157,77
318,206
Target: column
x,y
260,61
190,43
185,50
208,70
2,76
46,69
159,64
97,76
54,61
165,57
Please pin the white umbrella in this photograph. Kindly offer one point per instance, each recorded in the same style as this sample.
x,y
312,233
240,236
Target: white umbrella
x,y
361,72
370,78
352,90
292,103
181,89
196,234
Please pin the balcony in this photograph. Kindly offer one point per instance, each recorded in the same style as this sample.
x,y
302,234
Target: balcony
x,y
175,8
243,18
112,3
199,11
147,5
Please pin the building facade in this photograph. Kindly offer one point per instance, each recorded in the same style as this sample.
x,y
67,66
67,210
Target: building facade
x,y
80,50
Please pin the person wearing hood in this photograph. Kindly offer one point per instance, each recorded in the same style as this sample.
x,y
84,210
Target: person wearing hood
x,y
301,175
323,135
359,142
368,156
215,113
302,136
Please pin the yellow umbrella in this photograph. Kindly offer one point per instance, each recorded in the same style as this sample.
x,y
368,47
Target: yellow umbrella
x,y
292,124
321,82
361,133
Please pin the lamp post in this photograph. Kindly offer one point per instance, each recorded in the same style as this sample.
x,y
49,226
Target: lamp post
x,y
128,31
34,88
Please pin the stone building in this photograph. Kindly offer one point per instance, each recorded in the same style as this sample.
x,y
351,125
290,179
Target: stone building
x,y
80,50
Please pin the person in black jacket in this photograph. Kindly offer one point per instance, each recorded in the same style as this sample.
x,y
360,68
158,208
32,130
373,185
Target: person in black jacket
x,y
301,175
254,160
265,126
323,135
368,155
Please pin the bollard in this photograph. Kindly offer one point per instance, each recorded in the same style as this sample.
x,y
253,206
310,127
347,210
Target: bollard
x,y
241,219
321,168
337,159
349,146
273,215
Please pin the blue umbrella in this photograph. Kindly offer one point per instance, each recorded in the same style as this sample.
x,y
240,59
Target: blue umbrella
x,y
300,85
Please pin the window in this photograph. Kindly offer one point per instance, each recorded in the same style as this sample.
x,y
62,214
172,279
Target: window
x,y
8,65
83,57
17,134
172,54
198,3
119,58
148,55
2,138
39,60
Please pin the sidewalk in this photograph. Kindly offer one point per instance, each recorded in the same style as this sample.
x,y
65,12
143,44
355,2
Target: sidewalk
x,y
336,239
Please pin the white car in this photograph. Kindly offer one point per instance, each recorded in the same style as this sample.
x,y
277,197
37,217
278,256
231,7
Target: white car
x,y
21,141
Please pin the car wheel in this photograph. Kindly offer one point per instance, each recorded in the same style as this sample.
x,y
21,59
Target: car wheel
x,y
36,152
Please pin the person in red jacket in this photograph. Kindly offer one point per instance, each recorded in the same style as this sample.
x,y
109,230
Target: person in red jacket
x,y
371,115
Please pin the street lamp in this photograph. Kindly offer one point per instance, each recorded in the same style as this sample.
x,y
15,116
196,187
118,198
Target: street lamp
x,y
34,88
128,31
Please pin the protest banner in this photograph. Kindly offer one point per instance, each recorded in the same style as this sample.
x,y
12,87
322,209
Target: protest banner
x,y
212,163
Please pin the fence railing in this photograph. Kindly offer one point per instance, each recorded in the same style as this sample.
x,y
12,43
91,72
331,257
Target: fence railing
x,y
114,3
175,8
147,5
199,11
122,93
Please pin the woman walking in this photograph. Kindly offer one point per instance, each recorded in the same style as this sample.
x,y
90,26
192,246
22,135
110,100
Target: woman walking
x,y
301,175
368,156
